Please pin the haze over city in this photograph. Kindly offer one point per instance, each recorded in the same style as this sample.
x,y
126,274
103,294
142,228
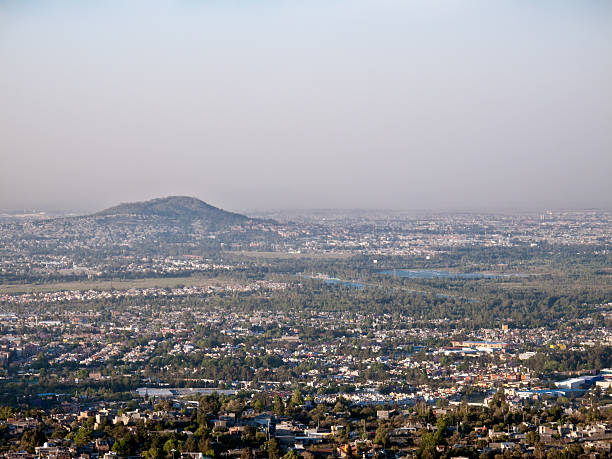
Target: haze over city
x,y
343,104
305,229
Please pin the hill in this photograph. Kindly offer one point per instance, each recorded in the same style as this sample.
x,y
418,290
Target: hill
x,y
170,226
175,207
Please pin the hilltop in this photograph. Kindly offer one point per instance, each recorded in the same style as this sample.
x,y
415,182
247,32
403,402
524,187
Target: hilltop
x,y
175,207
172,225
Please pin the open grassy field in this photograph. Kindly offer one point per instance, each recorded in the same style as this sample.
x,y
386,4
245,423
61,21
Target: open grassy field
x,y
161,282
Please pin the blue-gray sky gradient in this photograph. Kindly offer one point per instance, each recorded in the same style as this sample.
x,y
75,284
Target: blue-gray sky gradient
x,y
307,104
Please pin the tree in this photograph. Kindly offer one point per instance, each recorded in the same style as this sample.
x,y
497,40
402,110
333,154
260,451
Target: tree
x,y
5,412
154,453
58,432
427,447
339,407
190,444
233,406
83,436
382,436
31,439
126,446
278,406
532,437
205,447
296,398
170,446
209,404
202,431
248,435
273,449
258,405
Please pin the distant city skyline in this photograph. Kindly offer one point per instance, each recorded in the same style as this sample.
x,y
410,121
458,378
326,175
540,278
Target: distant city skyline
x,y
268,212
355,104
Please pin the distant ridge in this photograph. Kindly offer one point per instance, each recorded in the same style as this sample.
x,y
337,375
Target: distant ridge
x,y
174,207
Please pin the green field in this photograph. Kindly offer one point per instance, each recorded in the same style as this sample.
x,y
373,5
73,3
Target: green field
x,y
161,282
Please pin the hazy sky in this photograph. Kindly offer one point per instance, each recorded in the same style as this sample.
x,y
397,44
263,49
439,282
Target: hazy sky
x,y
306,104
